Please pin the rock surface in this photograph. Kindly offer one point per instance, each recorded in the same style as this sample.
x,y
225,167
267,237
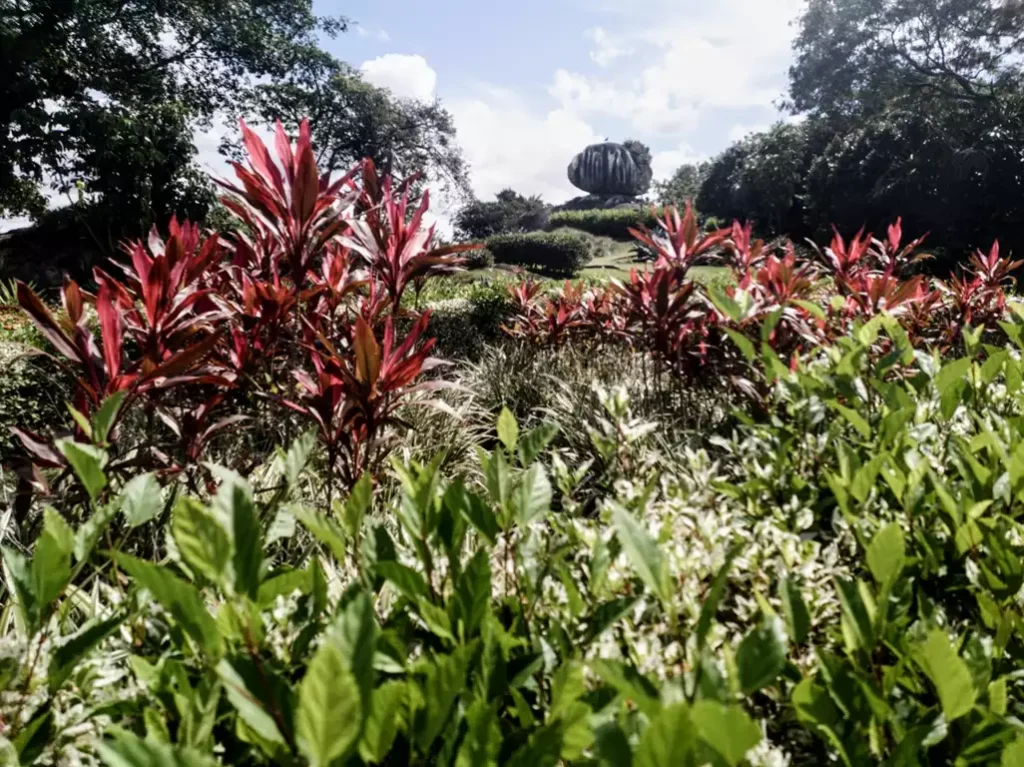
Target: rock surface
x,y
606,170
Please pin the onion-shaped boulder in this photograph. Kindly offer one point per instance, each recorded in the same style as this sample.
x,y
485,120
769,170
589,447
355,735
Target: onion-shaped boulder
x,y
606,170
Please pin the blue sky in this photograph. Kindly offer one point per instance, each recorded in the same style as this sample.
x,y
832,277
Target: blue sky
x,y
531,82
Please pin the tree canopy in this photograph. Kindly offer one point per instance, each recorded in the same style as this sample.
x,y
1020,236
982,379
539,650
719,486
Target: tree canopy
x,y
478,220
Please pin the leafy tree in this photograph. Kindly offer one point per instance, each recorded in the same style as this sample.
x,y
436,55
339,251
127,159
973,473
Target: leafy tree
x,y
684,185
352,119
642,157
479,220
109,92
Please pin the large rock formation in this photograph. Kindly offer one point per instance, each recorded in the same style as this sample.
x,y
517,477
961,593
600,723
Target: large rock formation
x,y
607,170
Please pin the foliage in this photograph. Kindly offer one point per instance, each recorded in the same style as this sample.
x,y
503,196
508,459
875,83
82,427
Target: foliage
x,y
684,185
641,154
108,93
611,222
551,253
352,119
479,220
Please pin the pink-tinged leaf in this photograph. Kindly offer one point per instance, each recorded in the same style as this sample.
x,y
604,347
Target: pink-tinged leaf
x,y
307,182
47,325
259,158
40,448
112,331
367,353
72,297
284,150
186,359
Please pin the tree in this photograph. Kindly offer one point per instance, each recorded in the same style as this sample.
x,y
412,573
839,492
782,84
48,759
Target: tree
x,y
641,154
684,185
863,57
109,92
352,119
480,220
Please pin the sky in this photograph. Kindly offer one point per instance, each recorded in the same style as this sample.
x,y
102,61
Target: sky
x,y
530,83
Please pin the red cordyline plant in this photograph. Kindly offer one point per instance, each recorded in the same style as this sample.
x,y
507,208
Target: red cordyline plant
x,y
978,296
683,241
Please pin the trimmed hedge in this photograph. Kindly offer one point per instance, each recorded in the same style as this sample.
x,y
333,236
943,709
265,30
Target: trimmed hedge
x,y
611,222
556,253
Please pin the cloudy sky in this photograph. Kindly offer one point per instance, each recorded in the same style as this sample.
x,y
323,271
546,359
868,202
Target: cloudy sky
x,y
532,82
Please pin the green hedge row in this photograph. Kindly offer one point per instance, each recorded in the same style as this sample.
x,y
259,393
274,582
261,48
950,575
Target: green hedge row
x,y
556,253
613,222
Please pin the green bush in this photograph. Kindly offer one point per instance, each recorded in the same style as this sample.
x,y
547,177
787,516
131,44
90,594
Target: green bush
x,y
614,222
555,253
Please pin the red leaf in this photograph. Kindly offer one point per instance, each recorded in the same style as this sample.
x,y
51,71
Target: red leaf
x,y
112,331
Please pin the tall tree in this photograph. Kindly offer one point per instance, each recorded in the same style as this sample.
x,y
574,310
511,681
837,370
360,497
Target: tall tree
x,y
684,185
351,119
108,92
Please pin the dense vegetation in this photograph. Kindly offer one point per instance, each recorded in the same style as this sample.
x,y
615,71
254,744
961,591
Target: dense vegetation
x,y
615,222
910,105
553,253
776,522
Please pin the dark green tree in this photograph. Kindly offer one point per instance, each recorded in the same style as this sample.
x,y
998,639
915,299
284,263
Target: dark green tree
x,y
479,220
107,94
641,154
352,119
684,184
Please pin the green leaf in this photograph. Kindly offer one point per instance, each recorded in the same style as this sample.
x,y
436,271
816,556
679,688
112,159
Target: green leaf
x,y
948,673
475,510
182,600
35,735
535,441
472,597
482,743
951,373
19,577
794,609
51,559
387,713
532,495
250,699
761,655
855,419
724,303
508,429
88,533
858,618
1013,754
124,749
611,746
887,553
65,658
744,344
643,551
669,740
201,539
409,582
355,633
141,500
710,606
105,417
88,463
358,504
297,457
325,530
444,680
330,715
727,730
248,541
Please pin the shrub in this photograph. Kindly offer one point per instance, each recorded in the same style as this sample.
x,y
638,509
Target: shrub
x,y
612,222
479,220
560,253
481,258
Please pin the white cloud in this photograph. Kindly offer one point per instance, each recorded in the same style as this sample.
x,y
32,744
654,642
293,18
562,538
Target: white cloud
x,y
729,54
665,163
509,145
606,48
377,34
738,132
406,76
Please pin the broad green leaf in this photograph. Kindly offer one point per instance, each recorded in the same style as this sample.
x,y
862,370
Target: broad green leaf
x,y
643,551
887,553
51,559
88,533
141,500
1013,754
472,597
355,632
358,504
948,673
88,463
858,617
535,441
508,429
325,530
483,737
744,344
951,373
252,704
761,655
532,495
611,746
65,658
105,416
35,735
247,537
727,730
409,582
19,579
855,419
122,748
669,740
202,540
474,509
444,680
330,714
387,715
997,697
182,600
794,609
